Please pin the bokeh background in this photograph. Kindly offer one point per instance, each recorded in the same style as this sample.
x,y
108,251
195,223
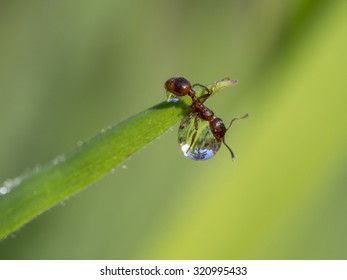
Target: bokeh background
x,y
71,68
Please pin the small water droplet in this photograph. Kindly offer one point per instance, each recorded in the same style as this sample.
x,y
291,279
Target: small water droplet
x,y
3,190
79,143
37,168
17,181
113,170
170,97
9,184
124,167
58,159
205,144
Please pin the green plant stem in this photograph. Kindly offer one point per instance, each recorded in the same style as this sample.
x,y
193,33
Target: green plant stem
x,y
25,197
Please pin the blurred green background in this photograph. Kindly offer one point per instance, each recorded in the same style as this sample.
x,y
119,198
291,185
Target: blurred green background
x,y
70,68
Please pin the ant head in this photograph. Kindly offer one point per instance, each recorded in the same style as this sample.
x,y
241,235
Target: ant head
x,y
219,130
178,86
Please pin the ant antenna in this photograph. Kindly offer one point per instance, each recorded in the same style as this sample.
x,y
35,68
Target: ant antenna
x,y
238,118
232,121
230,150
204,97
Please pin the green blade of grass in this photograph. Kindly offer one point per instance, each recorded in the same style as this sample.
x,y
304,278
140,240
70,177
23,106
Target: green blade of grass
x,y
25,197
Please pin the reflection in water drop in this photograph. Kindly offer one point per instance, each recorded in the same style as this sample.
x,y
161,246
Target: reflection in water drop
x,y
205,144
170,97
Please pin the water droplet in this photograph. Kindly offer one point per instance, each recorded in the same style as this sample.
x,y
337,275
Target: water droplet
x,y
170,97
58,159
124,167
37,168
9,184
104,130
79,143
205,144
3,190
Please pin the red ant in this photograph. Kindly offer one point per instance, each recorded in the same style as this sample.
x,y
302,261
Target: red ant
x,y
180,86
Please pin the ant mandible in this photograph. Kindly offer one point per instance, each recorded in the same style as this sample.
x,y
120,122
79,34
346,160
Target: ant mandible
x,y
180,86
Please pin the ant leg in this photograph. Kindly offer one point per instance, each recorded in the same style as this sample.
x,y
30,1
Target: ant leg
x,y
196,126
204,87
184,124
235,119
185,120
211,91
204,97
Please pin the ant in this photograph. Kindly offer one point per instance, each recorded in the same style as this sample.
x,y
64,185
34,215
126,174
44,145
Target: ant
x,y
180,87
